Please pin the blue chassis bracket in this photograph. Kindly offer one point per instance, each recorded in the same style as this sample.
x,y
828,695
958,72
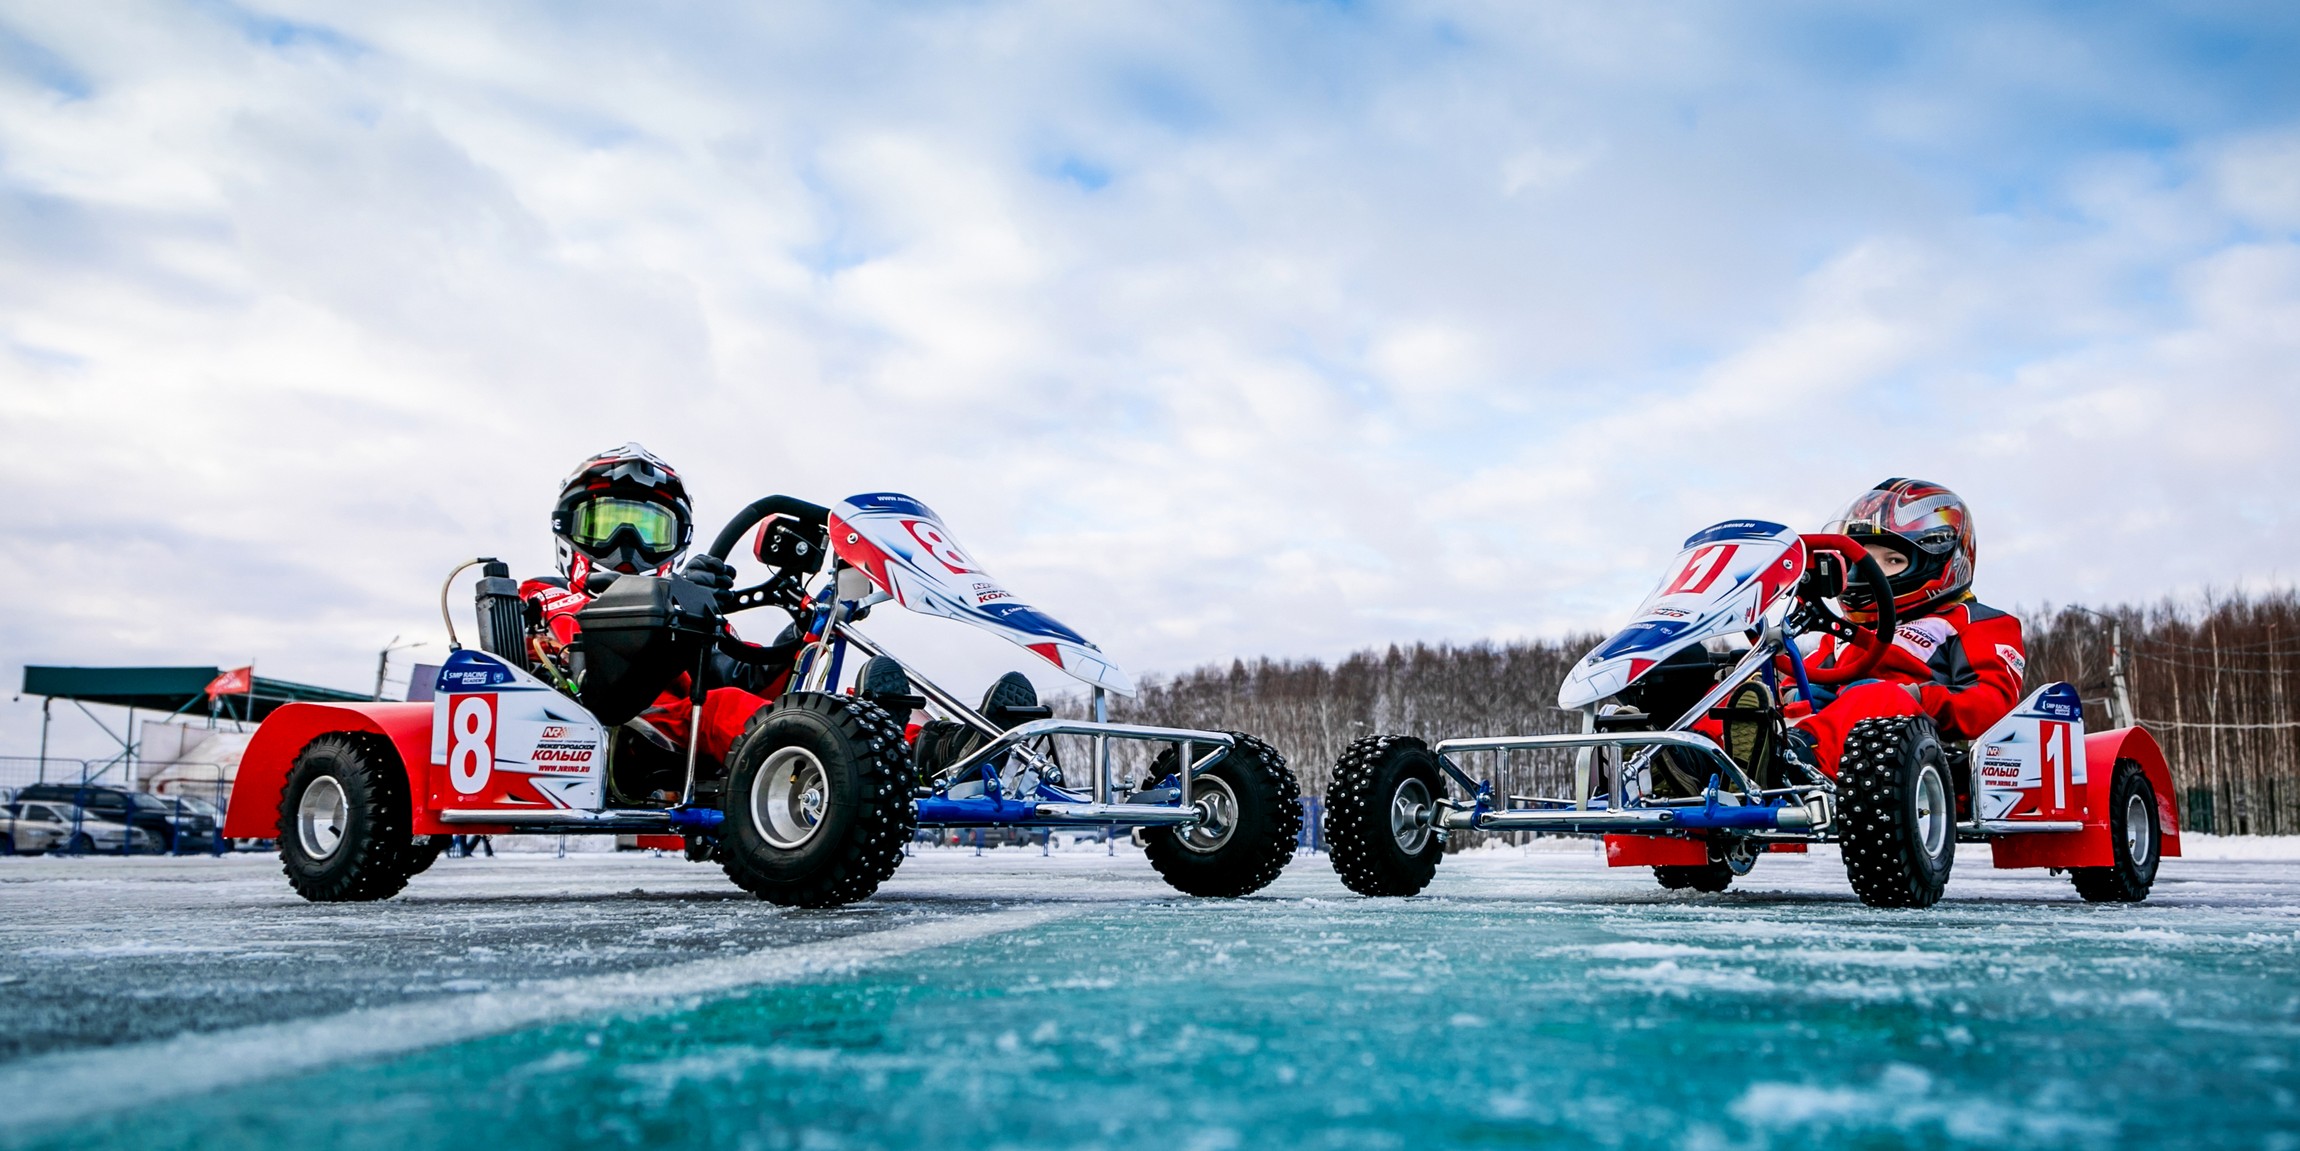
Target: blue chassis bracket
x,y
991,809
1708,816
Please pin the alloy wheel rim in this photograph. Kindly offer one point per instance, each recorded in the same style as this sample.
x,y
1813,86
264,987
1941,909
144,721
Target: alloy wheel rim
x,y
1217,814
1409,816
2137,844
1932,811
320,817
789,798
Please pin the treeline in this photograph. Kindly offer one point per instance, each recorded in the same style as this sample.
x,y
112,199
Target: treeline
x,y
2215,681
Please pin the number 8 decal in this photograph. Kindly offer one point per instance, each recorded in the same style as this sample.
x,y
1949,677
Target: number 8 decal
x,y
938,545
472,758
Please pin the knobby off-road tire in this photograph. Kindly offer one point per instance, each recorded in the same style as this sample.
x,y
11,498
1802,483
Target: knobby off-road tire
x,y
344,818
818,801
1254,819
1897,822
2136,836
1379,842
1709,877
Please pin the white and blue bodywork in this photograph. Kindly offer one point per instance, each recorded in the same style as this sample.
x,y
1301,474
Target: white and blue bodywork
x,y
893,547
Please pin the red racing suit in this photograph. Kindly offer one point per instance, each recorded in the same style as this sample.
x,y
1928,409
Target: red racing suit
x,y
727,707
1965,662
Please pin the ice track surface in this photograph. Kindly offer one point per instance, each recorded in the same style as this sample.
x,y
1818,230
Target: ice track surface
x,y
1534,997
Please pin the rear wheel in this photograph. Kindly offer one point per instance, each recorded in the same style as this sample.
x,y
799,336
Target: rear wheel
x,y
2136,836
1898,818
343,823
1381,816
1249,821
818,801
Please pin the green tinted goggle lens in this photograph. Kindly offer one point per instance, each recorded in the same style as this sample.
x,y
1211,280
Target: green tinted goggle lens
x,y
597,522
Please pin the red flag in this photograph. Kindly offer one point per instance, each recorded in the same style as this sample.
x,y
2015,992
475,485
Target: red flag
x,y
238,681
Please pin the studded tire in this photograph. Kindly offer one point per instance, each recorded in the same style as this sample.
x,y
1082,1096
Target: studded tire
x,y
344,819
1373,851
818,802
1897,818
1709,877
2136,835
1265,825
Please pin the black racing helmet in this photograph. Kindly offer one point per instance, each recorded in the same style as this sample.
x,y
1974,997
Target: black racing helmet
x,y
623,510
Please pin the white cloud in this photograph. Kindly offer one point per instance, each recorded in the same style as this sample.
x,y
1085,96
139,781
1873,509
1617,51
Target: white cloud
x,y
1213,330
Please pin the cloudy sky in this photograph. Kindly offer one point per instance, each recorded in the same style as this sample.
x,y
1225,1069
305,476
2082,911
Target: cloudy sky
x,y
1213,329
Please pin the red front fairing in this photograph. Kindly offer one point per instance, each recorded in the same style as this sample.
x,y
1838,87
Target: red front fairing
x,y
1669,851
1654,851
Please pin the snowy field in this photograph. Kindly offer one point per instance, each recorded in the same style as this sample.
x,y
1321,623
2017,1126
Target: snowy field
x,y
1013,999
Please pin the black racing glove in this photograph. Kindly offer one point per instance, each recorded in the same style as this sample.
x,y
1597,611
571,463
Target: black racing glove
x,y
710,571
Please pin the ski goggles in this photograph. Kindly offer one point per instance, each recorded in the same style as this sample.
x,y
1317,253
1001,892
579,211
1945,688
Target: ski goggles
x,y
597,521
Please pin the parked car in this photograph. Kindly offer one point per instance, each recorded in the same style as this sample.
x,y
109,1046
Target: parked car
x,y
79,830
174,826
29,834
195,805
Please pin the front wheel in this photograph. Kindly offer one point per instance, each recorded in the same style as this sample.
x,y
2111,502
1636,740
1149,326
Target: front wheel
x,y
1250,818
1381,814
343,823
818,801
2136,836
1898,821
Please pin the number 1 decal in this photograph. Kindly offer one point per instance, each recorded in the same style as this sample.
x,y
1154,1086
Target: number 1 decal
x,y
2053,737
1702,569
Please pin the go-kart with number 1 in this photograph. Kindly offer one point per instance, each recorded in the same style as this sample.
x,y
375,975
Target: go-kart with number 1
x,y
2036,787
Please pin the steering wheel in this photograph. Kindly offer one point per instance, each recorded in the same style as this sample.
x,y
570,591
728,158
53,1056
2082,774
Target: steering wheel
x,y
783,589
1812,613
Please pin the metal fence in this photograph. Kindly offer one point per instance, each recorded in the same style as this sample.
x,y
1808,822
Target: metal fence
x,y
186,819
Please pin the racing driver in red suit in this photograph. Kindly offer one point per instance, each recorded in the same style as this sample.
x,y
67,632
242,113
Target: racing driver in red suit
x,y
626,512
1953,658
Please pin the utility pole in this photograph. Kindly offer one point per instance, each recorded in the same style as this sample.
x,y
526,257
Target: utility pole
x,y
2123,698
383,661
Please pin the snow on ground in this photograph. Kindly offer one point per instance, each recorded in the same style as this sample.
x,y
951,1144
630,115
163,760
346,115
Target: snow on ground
x,y
2195,846
208,978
